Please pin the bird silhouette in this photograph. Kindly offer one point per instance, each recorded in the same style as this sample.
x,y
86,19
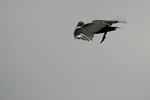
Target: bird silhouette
x,y
87,31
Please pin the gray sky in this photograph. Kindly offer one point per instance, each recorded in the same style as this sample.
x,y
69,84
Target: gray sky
x,y
41,60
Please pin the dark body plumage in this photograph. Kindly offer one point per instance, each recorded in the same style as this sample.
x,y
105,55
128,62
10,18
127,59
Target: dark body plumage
x,y
87,31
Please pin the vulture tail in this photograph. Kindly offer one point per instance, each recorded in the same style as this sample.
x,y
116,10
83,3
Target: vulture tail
x,y
118,20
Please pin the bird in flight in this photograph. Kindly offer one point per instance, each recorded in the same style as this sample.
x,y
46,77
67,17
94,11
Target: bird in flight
x,y
87,31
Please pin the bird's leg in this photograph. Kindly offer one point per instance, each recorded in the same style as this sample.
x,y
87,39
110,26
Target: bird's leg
x,y
104,36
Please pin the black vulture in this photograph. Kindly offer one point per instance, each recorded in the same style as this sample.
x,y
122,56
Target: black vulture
x,y
87,31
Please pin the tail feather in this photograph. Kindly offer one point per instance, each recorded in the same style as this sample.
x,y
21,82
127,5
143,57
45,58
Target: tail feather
x,y
118,20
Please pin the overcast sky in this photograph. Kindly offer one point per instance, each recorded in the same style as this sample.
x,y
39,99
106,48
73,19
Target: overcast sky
x,y
41,60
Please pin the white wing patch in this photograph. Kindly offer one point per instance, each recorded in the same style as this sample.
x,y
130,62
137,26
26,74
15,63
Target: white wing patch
x,y
83,37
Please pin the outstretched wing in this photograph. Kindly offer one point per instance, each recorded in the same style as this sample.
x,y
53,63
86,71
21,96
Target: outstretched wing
x,y
92,28
109,22
103,22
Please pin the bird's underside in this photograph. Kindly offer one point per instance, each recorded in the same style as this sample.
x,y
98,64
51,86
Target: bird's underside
x,y
88,38
83,37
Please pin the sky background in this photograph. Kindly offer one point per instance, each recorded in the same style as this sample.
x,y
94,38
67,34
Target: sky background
x,y
41,60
